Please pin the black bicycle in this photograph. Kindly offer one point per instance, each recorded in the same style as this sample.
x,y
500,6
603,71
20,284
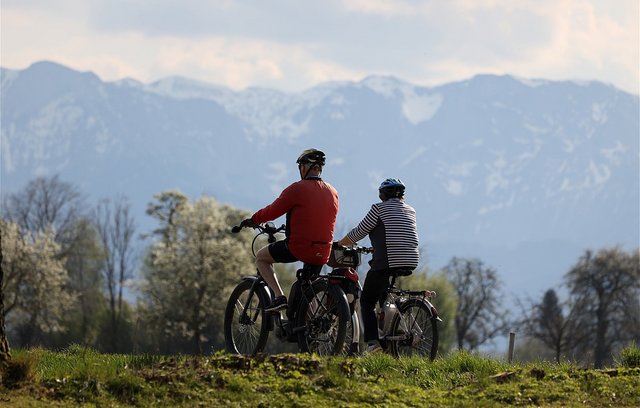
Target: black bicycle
x,y
317,316
408,321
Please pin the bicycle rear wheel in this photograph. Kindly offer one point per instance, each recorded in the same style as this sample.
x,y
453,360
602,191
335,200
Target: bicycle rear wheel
x,y
245,321
322,319
414,331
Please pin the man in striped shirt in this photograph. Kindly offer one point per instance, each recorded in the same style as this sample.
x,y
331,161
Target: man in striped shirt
x,y
391,226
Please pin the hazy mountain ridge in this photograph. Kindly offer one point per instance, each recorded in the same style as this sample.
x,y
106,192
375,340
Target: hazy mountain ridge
x,y
494,165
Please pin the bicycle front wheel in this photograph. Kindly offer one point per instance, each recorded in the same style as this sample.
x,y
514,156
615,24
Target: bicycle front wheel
x,y
245,321
414,331
322,319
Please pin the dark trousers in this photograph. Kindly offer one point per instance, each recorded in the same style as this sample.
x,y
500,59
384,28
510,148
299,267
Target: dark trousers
x,y
375,284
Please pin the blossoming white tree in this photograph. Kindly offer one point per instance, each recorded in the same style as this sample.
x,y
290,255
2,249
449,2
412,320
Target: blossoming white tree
x,y
191,267
34,280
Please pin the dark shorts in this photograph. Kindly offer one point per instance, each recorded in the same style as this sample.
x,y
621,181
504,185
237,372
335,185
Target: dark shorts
x,y
280,253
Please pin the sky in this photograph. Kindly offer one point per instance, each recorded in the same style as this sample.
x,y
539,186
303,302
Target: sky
x,y
293,45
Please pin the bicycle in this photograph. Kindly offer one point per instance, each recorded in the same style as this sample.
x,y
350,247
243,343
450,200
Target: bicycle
x,y
408,321
317,315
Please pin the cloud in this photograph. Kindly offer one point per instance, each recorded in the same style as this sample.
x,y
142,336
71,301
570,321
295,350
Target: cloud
x,y
292,45
243,63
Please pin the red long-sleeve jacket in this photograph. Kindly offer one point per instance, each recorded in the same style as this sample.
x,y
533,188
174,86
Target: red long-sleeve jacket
x,y
311,206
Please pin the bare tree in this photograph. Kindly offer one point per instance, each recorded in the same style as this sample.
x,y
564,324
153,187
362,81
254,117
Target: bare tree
x,y
479,317
116,229
605,292
548,323
45,203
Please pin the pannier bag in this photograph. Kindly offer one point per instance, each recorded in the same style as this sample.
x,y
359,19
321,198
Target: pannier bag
x,y
340,259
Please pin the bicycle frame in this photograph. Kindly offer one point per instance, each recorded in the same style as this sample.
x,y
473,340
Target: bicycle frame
x,y
404,331
404,301
311,318
275,319
401,296
423,295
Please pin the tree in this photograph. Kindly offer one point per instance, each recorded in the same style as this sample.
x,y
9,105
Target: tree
x,y
547,322
478,316
45,203
84,262
605,292
34,280
191,268
46,206
5,352
115,228
165,210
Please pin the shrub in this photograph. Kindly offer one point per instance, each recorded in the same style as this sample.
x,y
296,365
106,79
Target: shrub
x,y
630,356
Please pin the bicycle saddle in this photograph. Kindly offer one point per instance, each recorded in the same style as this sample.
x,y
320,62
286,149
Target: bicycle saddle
x,y
308,271
400,272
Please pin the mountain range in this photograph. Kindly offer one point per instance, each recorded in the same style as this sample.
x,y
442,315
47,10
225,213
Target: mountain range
x,y
524,174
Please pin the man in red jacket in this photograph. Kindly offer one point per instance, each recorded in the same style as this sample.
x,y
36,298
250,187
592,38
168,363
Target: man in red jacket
x,y
311,206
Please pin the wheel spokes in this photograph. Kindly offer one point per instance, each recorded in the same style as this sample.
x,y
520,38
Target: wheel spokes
x,y
322,322
246,330
415,323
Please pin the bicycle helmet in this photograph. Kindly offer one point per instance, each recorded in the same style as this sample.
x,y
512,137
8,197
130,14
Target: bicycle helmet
x,y
312,156
392,188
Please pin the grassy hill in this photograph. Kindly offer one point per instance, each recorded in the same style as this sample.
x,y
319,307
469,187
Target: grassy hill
x,y
80,376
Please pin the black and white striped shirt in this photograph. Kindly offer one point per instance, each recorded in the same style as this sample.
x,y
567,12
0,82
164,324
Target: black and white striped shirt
x,y
391,226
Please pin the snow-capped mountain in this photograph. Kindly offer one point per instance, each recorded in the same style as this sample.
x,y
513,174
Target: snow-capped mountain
x,y
523,174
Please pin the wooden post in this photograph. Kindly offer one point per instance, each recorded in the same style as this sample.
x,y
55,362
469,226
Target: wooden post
x,y
512,340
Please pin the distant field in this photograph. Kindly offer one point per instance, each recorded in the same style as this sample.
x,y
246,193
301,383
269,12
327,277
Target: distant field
x,y
83,377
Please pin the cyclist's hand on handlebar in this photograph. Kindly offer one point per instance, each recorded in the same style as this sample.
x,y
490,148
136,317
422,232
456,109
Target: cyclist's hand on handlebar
x,y
247,223
346,242
244,224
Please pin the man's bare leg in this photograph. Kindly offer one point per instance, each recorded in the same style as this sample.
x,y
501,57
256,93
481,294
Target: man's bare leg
x,y
264,262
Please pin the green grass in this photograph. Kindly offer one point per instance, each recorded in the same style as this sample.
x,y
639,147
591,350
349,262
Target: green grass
x,y
82,377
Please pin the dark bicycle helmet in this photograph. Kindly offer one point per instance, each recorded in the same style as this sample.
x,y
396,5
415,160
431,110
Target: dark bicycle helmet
x,y
392,188
311,156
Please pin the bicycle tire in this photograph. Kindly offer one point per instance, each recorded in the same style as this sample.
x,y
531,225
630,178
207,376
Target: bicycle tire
x,y
322,319
246,334
352,338
414,330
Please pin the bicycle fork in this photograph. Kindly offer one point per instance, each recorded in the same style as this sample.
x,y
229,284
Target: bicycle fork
x,y
245,319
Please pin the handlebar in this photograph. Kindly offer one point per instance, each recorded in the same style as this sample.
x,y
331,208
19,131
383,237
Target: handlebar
x,y
269,228
354,249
